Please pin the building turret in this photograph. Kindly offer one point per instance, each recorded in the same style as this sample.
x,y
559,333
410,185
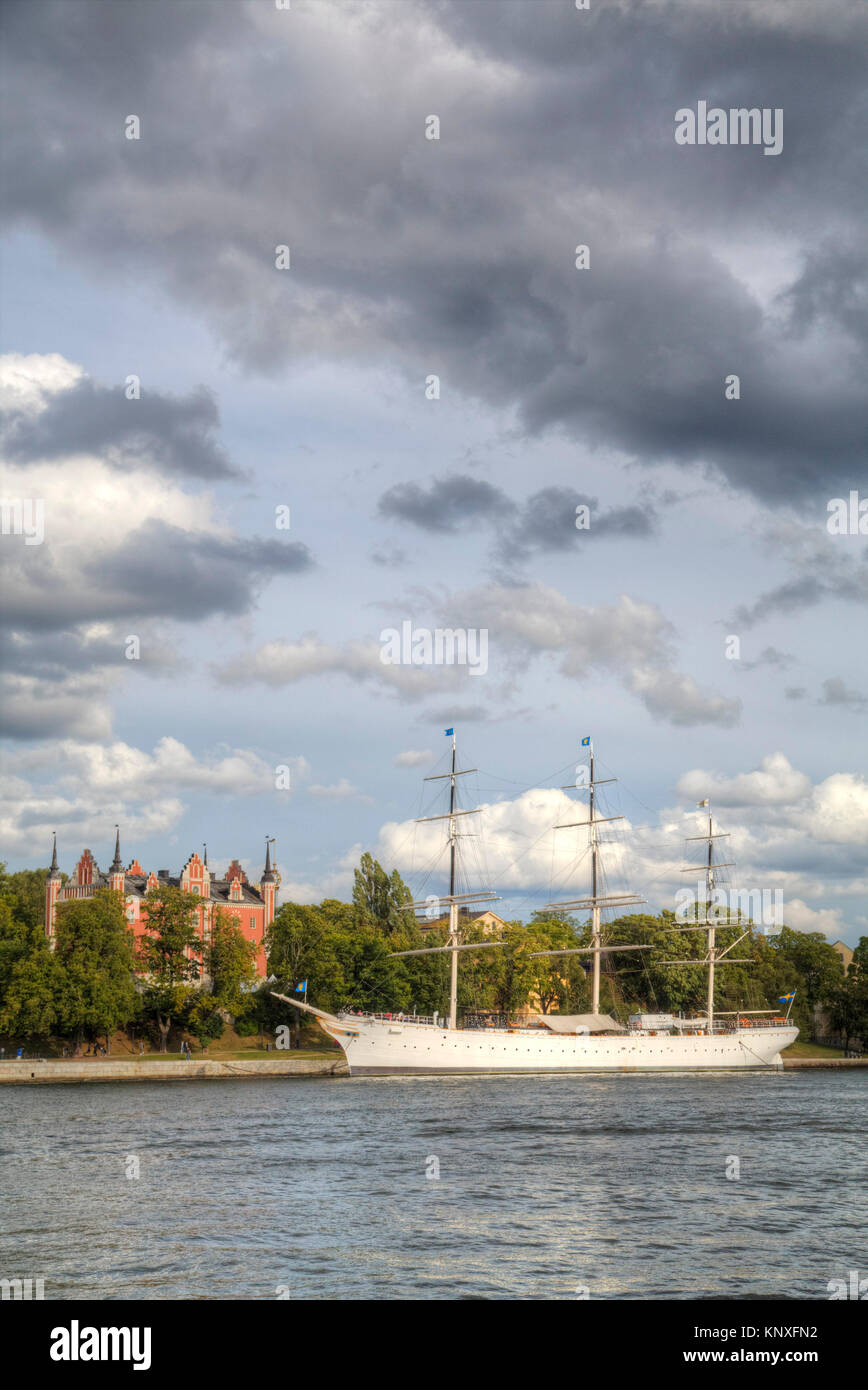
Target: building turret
x,y
116,872
268,885
52,892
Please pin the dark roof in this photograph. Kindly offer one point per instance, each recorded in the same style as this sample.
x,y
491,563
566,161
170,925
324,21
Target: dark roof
x,y
221,889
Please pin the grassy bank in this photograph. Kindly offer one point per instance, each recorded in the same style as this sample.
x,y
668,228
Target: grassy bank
x,y
809,1049
229,1048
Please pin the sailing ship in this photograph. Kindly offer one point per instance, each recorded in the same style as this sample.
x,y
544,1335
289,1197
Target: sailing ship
x,y
402,1044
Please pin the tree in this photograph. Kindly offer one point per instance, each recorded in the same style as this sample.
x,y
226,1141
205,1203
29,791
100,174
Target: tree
x,y
16,942
205,1020
231,963
818,964
94,946
34,996
848,1008
380,898
301,946
371,981
24,892
559,983
859,963
170,955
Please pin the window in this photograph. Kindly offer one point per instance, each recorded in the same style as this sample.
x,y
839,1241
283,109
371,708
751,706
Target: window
x,y
253,924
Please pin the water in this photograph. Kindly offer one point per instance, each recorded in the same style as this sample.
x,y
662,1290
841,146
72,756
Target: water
x,y
547,1185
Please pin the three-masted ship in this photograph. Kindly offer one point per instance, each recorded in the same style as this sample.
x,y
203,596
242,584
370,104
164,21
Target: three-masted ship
x,y
397,1043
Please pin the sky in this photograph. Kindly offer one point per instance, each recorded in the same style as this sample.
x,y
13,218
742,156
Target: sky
x,y
299,347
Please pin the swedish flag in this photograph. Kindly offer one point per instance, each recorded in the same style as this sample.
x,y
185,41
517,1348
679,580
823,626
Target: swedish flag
x,y
585,742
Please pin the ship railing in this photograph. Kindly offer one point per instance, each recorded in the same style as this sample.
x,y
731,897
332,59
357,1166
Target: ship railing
x,y
395,1018
693,1027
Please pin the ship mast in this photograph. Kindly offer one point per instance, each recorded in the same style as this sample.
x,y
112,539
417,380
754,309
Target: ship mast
x,y
709,888
595,902
595,910
455,900
453,906
714,955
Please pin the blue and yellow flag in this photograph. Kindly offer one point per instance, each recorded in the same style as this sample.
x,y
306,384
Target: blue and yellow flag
x,y
300,989
585,742
447,732
786,998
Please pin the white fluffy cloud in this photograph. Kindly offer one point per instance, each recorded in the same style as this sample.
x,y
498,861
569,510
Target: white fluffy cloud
x,y
777,822
774,783
629,639
280,663
804,918
80,789
27,380
839,812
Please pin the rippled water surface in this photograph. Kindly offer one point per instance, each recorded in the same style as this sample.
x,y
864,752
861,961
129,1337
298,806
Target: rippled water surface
x,y
547,1185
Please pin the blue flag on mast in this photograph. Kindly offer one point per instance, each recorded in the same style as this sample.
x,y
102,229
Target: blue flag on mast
x,y
447,732
585,742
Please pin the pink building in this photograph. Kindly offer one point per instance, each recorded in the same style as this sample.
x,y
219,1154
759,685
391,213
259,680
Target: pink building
x,y
252,908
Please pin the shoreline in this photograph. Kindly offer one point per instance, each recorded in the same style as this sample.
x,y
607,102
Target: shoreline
x,y
74,1072
795,1063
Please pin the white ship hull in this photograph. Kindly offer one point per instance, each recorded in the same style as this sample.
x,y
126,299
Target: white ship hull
x,y
375,1047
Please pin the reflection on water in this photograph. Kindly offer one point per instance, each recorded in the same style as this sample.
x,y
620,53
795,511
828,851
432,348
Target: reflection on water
x,y
546,1184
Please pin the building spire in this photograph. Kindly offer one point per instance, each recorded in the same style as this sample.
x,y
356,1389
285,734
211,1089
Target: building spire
x,y
268,876
117,864
205,860
54,871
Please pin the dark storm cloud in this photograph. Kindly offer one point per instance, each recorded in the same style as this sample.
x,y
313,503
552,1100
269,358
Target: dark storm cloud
x,y
38,712
159,571
548,521
173,434
545,521
261,127
167,572
447,505
55,657
832,578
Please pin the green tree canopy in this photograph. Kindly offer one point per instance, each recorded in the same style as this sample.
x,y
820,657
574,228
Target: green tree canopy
x,y
95,948
230,960
170,955
380,897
